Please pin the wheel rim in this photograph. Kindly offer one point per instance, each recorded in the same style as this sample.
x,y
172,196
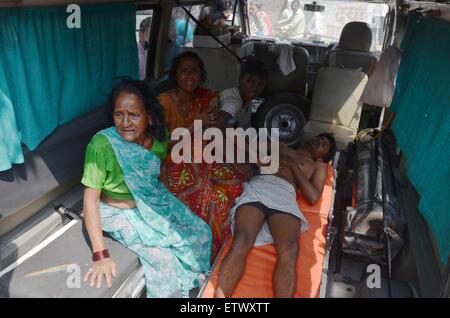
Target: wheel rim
x,y
285,119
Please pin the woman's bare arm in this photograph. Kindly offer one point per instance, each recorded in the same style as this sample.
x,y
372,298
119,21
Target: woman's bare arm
x,y
92,220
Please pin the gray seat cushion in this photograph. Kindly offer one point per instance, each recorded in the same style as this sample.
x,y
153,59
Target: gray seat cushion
x,y
353,50
363,61
72,247
336,96
356,36
335,106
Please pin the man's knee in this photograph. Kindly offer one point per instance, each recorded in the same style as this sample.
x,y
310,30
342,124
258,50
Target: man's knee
x,y
242,242
288,251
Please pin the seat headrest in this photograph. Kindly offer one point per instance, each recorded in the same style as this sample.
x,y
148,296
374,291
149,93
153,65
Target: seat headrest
x,y
356,36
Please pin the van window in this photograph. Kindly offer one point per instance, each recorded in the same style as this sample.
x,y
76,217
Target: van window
x,y
181,30
321,23
143,31
232,19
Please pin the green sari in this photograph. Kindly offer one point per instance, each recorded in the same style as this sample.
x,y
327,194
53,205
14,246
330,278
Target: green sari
x,y
173,244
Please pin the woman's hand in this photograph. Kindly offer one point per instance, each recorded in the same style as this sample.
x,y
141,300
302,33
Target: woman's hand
x,y
208,117
105,267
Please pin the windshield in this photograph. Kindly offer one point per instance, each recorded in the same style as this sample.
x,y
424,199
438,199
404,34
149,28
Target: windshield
x,y
322,22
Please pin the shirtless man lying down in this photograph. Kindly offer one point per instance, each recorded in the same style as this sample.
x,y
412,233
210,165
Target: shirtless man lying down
x,y
267,212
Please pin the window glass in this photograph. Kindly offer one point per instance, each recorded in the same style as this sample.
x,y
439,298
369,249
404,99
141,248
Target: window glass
x,y
143,27
228,13
291,20
181,30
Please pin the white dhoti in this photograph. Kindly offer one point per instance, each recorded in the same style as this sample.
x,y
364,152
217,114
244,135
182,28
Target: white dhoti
x,y
276,194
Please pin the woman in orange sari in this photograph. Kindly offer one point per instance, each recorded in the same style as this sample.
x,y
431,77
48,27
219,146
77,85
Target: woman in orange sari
x,y
208,189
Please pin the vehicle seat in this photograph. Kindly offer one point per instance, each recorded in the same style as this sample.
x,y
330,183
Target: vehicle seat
x,y
335,105
353,50
29,279
277,81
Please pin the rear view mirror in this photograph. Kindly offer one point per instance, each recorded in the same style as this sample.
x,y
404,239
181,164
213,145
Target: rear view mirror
x,y
314,7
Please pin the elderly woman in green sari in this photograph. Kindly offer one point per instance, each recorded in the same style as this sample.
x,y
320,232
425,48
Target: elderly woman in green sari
x,y
125,197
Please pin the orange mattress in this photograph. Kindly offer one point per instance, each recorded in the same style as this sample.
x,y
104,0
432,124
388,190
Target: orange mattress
x,y
257,279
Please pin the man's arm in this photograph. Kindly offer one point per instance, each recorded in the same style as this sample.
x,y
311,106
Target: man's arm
x,y
222,120
229,106
296,19
311,189
282,22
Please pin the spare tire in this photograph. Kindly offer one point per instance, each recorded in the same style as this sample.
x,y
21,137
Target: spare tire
x,y
285,111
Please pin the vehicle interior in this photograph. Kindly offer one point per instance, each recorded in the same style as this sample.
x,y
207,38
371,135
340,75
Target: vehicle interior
x,y
385,207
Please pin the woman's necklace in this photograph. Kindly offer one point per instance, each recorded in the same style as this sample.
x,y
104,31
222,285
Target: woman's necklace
x,y
185,107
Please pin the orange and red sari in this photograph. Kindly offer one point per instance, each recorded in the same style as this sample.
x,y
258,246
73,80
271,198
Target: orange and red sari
x,y
208,189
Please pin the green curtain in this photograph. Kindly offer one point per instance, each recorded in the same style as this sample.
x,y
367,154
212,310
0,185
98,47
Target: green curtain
x,y
422,123
52,74
10,149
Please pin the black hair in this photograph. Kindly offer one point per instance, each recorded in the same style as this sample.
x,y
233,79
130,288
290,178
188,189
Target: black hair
x,y
223,5
145,24
176,63
254,67
179,13
158,127
227,5
332,150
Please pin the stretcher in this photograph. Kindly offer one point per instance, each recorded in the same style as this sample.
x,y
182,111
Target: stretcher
x,y
257,279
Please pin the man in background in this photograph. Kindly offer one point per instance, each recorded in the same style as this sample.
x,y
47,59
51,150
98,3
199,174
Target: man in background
x,y
144,35
235,102
294,26
266,22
